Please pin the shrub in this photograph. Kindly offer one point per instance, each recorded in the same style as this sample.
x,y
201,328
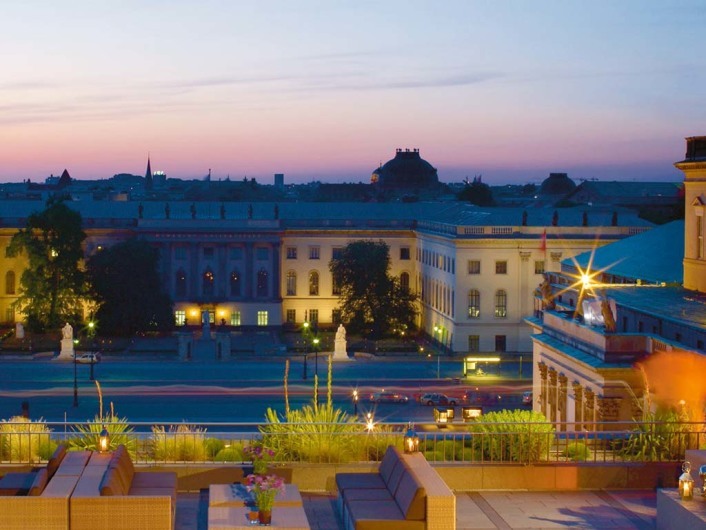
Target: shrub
x,y
22,440
512,436
213,446
577,452
181,443
88,435
229,454
660,436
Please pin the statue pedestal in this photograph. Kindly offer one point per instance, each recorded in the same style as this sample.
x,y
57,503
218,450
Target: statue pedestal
x,y
67,350
339,352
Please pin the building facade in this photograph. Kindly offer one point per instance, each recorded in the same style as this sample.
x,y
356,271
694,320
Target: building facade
x,y
475,270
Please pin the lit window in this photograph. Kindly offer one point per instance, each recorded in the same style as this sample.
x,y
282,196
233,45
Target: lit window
x,y
262,318
291,283
235,318
313,283
500,304
501,267
313,316
180,318
473,266
474,303
539,266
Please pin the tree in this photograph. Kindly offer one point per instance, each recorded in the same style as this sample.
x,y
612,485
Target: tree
x,y
370,297
52,287
126,284
477,193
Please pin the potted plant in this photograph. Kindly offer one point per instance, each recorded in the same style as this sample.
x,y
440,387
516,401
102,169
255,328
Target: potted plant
x,y
259,456
264,489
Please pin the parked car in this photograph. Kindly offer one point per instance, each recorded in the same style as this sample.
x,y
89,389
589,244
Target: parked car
x,y
88,358
481,398
527,398
437,399
388,397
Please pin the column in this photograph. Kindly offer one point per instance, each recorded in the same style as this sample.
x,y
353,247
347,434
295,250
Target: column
x,y
552,395
589,415
543,388
562,400
578,404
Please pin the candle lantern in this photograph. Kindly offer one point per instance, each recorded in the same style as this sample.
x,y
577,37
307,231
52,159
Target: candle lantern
x,y
104,440
411,440
686,483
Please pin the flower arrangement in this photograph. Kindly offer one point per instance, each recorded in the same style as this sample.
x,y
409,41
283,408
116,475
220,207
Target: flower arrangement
x,y
260,456
264,488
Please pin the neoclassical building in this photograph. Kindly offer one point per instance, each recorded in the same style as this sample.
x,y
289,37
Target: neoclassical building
x,y
587,353
266,264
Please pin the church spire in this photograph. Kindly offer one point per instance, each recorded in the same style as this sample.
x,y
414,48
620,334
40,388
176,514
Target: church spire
x,y
148,174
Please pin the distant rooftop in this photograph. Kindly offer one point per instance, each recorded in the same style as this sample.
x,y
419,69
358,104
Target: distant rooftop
x,y
654,256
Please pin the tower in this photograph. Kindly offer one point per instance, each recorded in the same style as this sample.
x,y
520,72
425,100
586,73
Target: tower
x,y
148,175
694,168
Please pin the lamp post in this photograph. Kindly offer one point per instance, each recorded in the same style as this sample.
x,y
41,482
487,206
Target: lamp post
x,y
355,401
75,382
315,342
305,325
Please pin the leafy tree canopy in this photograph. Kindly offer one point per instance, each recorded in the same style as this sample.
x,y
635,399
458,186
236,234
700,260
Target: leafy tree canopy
x,y
370,297
477,193
126,284
53,286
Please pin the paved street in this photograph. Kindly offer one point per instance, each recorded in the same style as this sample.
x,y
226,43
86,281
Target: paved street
x,y
169,390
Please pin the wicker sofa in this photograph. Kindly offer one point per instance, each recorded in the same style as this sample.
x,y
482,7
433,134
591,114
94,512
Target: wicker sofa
x,y
111,494
405,494
40,499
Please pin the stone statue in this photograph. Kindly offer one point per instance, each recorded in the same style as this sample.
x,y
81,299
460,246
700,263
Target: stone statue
x,y
608,317
340,333
547,296
67,332
340,351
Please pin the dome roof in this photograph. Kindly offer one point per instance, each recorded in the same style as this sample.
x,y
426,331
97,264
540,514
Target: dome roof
x,y
406,170
557,184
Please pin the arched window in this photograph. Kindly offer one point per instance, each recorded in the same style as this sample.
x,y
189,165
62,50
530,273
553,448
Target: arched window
x,y
313,283
180,283
474,303
262,288
404,281
235,283
291,283
10,282
500,304
207,283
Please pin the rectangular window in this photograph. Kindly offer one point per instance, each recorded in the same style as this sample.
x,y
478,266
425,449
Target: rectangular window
x,y
313,316
336,317
208,253
180,317
699,237
263,253
262,317
539,266
335,286
473,343
235,318
501,267
473,266
500,343
180,253
236,252
291,316
337,252
314,252
404,253
291,252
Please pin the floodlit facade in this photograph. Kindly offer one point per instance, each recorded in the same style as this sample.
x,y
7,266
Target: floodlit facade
x,y
267,265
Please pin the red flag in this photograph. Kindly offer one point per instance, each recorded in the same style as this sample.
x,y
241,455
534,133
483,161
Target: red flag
x,y
543,243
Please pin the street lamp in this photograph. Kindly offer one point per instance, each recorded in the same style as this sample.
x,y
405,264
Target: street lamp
x,y
316,355
75,382
306,346
355,401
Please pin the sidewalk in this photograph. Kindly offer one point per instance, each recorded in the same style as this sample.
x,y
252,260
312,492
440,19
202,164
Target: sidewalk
x,y
624,510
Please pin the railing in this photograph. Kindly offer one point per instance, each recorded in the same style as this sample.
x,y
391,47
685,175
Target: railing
x,y
454,442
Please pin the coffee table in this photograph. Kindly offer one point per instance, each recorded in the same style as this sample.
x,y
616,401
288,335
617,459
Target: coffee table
x,y
230,504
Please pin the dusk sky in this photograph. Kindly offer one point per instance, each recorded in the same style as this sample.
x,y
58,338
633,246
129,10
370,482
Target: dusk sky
x,y
325,90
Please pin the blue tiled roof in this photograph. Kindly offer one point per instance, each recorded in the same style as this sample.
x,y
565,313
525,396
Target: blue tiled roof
x,y
652,256
575,353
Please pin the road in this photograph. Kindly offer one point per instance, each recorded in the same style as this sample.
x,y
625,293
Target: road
x,y
166,390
